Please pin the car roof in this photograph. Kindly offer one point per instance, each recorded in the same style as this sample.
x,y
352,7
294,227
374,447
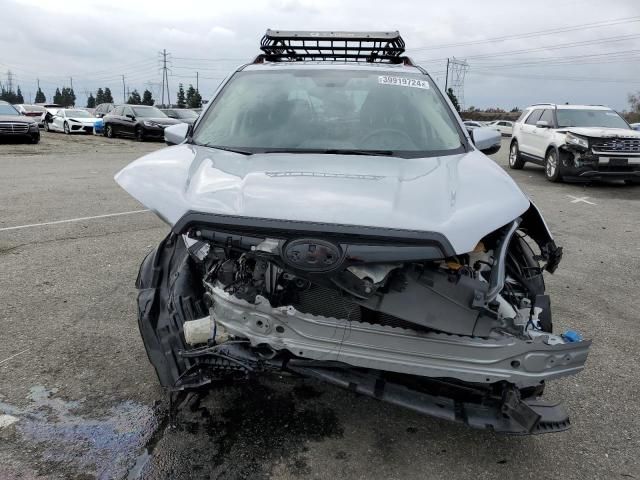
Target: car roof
x,y
333,65
570,107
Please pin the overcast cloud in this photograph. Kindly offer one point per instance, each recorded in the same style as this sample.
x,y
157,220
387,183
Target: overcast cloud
x,y
97,42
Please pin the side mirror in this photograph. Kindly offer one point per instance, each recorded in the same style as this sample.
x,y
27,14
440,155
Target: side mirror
x,y
486,139
542,124
176,134
130,117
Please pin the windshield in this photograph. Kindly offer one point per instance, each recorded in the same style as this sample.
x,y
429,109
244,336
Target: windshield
x,y
148,112
33,108
78,113
7,110
589,118
337,109
186,114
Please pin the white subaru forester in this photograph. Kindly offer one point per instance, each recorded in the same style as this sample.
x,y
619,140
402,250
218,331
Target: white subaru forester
x,y
576,142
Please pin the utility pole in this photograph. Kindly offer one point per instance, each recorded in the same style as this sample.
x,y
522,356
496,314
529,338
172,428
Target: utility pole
x,y
124,100
446,80
197,89
38,82
71,81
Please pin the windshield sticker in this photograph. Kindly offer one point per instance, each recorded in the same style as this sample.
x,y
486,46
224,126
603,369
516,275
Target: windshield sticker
x,y
402,81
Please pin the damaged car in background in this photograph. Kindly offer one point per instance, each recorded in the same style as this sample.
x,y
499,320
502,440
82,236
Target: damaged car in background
x,y
332,218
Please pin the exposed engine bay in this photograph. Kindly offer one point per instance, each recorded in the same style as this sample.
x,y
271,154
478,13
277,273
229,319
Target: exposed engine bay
x,y
464,337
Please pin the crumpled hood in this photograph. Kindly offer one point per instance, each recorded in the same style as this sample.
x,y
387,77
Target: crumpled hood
x,y
464,196
602,132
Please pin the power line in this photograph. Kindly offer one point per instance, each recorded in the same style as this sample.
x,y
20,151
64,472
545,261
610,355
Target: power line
x,y
583,26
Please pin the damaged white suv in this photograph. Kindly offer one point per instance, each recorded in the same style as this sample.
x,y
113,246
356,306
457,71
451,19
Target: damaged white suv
x,y
576,142
332,218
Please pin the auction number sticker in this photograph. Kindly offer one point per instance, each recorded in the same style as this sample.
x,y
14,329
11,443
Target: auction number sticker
x,y
402,81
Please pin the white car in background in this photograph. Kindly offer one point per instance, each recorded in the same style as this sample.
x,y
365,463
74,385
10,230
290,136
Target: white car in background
x,y
37,112
71,120
470,124
505,127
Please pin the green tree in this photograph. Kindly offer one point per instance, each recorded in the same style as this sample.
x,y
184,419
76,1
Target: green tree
x,y
19,97
57,97
40,98
91,101
99,96
107,98
147,98
454,99
134,98
194,100
634,101
180,99
68,97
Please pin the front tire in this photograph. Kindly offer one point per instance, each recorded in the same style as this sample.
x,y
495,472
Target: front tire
x,y
139,134
35,139
170,293
108,130
515,159
552,166
66,128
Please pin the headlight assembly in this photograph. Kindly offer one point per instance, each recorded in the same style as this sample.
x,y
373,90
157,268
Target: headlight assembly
x,y
147,123
572,139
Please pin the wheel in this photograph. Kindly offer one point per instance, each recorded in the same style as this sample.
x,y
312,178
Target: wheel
x,y
552,166
108,130
35,139
169,293
515,160
139,134
66,128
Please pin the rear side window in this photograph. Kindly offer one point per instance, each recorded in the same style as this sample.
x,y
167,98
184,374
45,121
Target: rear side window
x,y
547,116
534,117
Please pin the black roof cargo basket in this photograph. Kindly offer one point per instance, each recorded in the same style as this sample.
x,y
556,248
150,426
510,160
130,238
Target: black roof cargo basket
x,y
288,46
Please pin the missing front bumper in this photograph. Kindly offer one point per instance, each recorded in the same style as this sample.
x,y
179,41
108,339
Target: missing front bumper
x,y
523,363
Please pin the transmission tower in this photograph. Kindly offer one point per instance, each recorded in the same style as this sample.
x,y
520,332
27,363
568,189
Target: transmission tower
x,y
456,71
9,81
164,60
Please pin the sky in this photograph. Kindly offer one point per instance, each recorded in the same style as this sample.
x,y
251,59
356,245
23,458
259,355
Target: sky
x,y
518,53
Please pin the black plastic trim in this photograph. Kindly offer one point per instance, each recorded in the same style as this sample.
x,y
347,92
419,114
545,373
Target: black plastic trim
x,y
290,228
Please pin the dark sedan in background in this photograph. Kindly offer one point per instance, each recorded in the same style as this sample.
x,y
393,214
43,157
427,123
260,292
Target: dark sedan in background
x,y
185,115
138,121
14,126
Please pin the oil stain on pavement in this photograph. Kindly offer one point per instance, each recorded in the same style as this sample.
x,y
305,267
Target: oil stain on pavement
x,y
234,432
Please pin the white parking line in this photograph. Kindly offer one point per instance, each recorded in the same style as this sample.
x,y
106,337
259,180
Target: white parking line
x,y
79,219
580,199
14,355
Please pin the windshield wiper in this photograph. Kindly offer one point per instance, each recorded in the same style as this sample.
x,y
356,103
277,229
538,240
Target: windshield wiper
x,y
333,151
226,149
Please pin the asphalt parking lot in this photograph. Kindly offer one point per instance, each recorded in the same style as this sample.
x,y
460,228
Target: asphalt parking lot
x,y
78,398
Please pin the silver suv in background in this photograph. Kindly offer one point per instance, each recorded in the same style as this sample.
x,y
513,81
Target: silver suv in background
x,y
576,142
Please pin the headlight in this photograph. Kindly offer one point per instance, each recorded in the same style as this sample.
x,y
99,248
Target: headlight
x,y
33,126
572,139
147,123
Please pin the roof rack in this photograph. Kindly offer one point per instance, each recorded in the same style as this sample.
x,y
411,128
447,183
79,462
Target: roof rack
x,y
373,47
